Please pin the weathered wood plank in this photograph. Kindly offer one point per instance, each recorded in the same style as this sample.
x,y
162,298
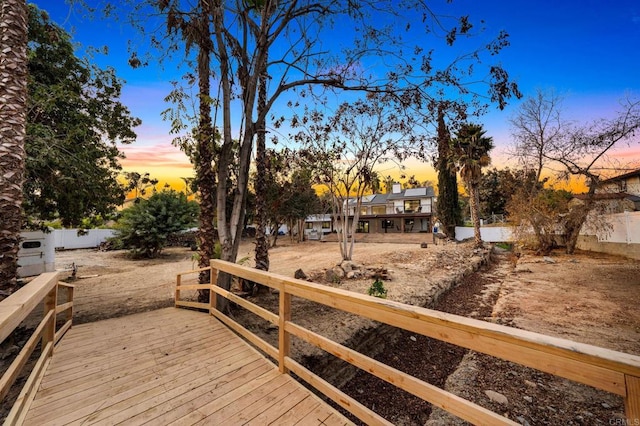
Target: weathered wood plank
x,y
181,375
632,400
296,413
125,384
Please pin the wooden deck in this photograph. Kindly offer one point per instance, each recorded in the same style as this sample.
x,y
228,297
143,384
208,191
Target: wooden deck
x,y
170,366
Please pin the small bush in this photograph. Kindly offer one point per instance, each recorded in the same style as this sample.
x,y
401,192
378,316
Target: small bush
x,y
145,226
377,289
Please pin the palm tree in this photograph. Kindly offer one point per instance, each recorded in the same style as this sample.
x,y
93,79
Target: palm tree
x,y
13,92
471,153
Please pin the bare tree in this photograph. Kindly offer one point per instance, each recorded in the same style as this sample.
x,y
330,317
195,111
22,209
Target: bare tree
x,y
572,151
286,41
344,149
536,126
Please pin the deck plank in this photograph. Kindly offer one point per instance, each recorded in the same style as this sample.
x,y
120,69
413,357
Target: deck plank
x,y
170,366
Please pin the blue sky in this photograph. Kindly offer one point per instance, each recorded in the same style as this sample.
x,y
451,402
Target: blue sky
x,y
588,51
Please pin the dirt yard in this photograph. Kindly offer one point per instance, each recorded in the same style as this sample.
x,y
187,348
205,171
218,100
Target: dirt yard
x,y
590,298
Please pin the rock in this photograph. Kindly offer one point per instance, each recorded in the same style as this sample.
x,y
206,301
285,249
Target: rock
x,y
548,259
497,397
413,338
348,265
530,384
299,274
338,271
331,276
424,245
353,275
522,421
605,405
550,408
528,399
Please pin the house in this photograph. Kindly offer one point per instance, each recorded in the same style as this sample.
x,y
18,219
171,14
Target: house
x,y
628,183
317,225
620,193
401,211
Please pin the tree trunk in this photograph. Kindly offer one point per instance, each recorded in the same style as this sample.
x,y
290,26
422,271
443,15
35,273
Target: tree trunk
x,y
262,243
204,170
475,216
13,92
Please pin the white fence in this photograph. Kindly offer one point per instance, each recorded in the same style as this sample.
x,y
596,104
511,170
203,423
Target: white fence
x,y
624,228
69,239
492,234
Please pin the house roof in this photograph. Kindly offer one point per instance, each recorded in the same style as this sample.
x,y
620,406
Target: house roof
x,y
607,196
623,177
413,193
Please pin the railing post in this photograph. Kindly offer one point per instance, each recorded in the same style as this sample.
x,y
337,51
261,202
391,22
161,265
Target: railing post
x,y
50,302
178,284
284,315
632,401
213,296
69,316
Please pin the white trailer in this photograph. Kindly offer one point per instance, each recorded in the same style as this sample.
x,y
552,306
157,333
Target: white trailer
x,y
36,254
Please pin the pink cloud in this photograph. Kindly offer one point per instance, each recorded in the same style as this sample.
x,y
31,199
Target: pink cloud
x,y
162,155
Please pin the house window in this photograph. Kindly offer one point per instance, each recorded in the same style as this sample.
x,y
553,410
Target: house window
x,y
363,227
411,206
386,223
308,225
363,211
379,209
408,222
326,224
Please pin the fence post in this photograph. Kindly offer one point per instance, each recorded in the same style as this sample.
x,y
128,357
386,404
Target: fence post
x,y
178,284
213,296
632,401
70,291
49,331
284,339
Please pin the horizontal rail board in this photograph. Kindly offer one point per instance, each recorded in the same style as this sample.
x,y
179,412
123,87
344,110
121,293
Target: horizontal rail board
x,y
64,307
252,307
17,306
255,340
19,410
9,377
198,305
614,372
195,271
194,287
598,367
62,331
454,404
342,399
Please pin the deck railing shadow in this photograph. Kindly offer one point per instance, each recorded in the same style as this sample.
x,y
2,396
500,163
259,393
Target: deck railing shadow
x,y
604,369
42,290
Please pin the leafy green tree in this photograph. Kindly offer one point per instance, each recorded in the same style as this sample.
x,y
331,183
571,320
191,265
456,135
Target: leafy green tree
x,y
139,184
448,207
471,154
74,122
498,186
145,226
288,192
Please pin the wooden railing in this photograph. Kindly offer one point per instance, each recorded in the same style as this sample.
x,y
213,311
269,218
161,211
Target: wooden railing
x,y
13,310
612,371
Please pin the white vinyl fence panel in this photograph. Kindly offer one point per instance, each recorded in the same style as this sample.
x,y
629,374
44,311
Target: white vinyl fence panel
x,y
68,239
492,234
624,228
